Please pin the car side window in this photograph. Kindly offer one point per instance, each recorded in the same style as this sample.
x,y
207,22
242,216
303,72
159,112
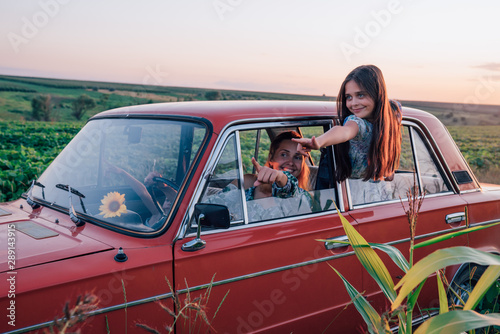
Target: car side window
x,y
232,182
430,176
417,164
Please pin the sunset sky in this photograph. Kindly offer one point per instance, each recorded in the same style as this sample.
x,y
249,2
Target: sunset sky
x,y
445,51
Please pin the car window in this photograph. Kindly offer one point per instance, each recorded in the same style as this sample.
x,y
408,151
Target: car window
x,y
124,172
431,177
417,165
232,182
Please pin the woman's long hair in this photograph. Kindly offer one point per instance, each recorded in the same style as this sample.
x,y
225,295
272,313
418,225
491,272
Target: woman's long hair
x,y
385,147
303,177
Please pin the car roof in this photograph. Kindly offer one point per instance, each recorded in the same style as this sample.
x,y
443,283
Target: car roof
x,y
230,110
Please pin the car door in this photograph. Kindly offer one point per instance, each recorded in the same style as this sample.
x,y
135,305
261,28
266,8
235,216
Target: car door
x,y
442,211
266,272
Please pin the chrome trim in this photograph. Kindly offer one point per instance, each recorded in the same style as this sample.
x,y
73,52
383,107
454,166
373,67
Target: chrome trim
x,y
485,223
416,162
266,223
475,190
330,246
349,197
241,176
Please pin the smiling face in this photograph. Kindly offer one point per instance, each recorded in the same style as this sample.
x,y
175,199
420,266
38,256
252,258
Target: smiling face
x,y
358,101
287,158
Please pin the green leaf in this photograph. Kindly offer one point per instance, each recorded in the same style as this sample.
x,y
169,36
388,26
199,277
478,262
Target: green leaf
x,y
369,259
394,253
451,235
370,316
437,260
457,322
489,276
443,299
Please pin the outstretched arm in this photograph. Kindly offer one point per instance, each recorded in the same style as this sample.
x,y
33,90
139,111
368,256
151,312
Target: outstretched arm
x,y
336,135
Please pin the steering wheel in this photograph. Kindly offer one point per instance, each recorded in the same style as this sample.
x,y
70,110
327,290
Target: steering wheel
x,y
171,184
158,195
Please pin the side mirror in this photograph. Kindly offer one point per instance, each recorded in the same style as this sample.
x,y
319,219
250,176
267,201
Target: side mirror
x,y
214,215
207,215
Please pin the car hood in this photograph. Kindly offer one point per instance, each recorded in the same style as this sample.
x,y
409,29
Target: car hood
x,y
34,241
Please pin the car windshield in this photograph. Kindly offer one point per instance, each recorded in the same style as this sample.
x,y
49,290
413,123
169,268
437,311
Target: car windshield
x,y
122,172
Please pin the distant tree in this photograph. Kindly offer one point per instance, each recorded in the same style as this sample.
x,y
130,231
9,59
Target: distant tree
x,y
103,100
213,95
41,107
81,105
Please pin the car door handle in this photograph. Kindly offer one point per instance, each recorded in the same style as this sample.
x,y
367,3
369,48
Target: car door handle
x,y
335,245
454,218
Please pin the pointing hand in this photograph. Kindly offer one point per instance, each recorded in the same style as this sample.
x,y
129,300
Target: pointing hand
x,y
267,175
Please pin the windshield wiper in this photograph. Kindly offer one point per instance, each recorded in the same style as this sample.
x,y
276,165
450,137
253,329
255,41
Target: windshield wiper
x,y
73,191
72,212
29,198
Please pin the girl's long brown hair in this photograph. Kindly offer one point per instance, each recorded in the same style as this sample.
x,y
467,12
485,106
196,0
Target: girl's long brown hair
x,y
385,147
303,177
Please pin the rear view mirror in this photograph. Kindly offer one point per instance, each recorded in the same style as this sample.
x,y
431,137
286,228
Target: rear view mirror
x,y
134,134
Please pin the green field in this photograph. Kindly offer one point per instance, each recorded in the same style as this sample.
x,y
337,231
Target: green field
x,y
27,147
16,94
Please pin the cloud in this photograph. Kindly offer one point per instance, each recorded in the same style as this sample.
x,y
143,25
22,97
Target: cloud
x,y
489,66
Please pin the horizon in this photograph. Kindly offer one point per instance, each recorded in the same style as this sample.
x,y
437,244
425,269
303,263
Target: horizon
x,y
239,90
430,52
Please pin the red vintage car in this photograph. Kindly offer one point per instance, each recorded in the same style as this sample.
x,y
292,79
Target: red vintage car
x,y
138,211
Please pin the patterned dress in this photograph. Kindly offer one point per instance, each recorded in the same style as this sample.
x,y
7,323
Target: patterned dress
x,y
290,189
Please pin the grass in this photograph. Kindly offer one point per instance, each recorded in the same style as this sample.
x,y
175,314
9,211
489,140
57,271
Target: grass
x,y
480,146
16,94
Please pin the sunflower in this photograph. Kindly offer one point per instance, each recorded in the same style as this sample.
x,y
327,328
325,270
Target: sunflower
x,y
112,205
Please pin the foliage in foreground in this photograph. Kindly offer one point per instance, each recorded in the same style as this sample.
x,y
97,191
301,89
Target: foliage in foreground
x,y
462,318
75,316
192,311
